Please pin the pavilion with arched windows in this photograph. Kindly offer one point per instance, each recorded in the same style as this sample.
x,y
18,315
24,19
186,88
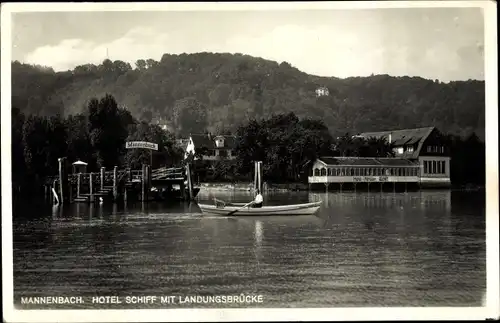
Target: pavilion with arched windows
x,y
354,172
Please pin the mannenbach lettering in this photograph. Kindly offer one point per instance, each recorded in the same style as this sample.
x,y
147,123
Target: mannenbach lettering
x,y
141,144
52,300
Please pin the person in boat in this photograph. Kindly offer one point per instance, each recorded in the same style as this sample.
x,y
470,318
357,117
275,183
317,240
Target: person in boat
x,y
257,202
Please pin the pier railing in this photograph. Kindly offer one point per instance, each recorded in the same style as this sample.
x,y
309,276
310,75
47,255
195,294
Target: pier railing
x,y
128,175
86,187
168,173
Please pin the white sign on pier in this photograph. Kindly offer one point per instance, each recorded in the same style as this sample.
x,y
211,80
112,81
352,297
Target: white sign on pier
x,y
141,144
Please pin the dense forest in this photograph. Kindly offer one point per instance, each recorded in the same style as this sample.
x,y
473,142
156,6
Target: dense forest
x,y
88,113
284,142
217,92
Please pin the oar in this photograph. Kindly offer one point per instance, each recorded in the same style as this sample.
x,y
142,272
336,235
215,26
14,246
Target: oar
x,y
244,206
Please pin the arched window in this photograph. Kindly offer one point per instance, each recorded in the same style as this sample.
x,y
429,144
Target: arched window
x,y
323,171
316,172
329,171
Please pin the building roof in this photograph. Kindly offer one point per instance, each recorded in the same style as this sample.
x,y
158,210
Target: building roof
x,y
404,137
366,161
208,141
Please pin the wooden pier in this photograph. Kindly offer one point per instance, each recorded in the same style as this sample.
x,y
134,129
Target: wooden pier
x,y
119,184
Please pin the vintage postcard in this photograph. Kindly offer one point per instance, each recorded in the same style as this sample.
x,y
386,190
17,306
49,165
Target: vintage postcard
x,y
249,161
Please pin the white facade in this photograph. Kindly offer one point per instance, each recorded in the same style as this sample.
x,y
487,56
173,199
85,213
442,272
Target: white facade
x,y
322,91
189,148
434,170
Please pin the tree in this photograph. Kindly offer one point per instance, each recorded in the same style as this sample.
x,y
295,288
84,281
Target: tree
x,y
108,131
168,153
141,64
18,162
190,116
283,142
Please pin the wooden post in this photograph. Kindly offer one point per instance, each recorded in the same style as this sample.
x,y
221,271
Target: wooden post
x,y
260,176
51,193
147,183
150,178
189,182
183,191
61,181
102,178
128,178
143,186
91,188
115,184
78,183
255,180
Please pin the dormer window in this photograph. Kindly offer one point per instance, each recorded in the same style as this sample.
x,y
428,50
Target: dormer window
x,y
409,149
399,150
219,142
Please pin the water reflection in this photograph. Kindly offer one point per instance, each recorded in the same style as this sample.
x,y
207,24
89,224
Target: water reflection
x,y
378,249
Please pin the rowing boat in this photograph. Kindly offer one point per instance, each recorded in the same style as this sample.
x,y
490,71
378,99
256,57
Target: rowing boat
x,y
291,209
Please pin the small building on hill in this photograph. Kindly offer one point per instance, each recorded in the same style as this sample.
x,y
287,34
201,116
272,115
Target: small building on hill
x,y
427,146
322,91
218,147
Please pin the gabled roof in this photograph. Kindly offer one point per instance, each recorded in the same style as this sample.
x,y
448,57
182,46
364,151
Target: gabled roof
x,y
208,141
365,161
229,141
202,141
404,137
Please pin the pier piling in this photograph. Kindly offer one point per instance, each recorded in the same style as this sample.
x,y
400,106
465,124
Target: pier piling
x,y
102,178
143,184
61,180
189,182
78,184
115,184
91,191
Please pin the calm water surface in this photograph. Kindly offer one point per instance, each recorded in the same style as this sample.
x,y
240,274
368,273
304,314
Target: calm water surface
x,y
361,249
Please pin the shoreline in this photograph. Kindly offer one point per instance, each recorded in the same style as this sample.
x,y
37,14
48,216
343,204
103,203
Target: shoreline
x,y
293,187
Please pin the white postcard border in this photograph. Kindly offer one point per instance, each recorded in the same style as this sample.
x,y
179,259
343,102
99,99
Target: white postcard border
x,y
491,310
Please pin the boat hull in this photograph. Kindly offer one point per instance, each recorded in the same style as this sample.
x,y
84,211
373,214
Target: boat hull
x,y
294,209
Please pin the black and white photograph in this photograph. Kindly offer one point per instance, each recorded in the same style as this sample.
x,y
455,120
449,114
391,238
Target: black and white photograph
x,y
249,161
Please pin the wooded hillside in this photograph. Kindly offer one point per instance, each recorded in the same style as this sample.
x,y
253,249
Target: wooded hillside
x,y
205,91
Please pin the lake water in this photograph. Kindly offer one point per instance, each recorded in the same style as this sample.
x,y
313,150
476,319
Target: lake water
x,y
362,249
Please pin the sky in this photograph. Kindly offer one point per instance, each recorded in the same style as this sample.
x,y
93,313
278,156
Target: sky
x,y
434,43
